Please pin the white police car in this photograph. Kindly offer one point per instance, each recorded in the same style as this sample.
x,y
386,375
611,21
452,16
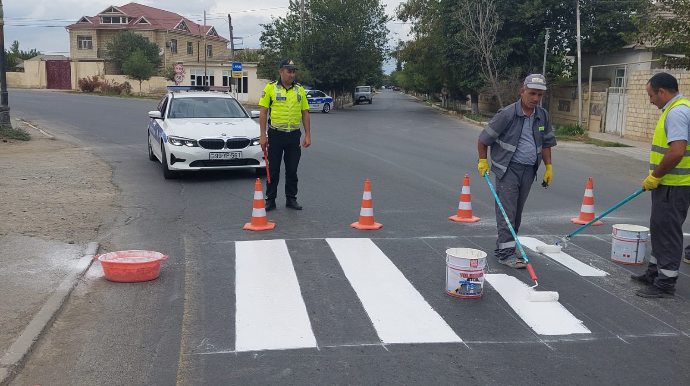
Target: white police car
x,y
203,130
318,100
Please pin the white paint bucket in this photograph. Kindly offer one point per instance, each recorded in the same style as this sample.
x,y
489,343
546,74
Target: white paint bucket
x,y
465,269
629,243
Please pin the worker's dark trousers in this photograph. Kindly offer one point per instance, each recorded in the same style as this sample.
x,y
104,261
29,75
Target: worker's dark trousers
x,y
669,209
283,145
512,189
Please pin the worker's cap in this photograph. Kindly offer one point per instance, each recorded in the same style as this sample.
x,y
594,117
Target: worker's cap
x,y
288,64
536,81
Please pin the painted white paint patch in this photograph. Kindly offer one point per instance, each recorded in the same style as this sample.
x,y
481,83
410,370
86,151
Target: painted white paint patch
x,y
563,258
270,311
397,310
545,318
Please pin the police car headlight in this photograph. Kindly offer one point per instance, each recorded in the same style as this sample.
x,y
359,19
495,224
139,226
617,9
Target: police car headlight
x,y
255,141
177,141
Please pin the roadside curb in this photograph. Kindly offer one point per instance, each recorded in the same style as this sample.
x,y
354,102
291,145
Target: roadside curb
x,y
16,355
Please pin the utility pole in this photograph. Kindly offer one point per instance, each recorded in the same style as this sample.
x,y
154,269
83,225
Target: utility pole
x,y
205,52
232,42
5,122
543,67
301,15
579,66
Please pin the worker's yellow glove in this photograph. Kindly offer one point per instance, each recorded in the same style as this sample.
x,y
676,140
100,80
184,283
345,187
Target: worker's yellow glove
x,y
548,175
483,166
650,182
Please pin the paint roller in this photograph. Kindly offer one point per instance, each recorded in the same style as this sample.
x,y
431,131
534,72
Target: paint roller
x,y
532,296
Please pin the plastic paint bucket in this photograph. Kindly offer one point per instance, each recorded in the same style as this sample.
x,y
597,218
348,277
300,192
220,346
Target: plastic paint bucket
x,y
131,266
629,243
465,268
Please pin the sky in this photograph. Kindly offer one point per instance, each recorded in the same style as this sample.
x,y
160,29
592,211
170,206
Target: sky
x,y
40,24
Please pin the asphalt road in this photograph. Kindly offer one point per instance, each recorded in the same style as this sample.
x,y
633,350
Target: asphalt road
x,y
190,327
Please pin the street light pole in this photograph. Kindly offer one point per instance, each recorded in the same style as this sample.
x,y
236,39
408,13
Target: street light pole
x,y
543,67
579,66
5,122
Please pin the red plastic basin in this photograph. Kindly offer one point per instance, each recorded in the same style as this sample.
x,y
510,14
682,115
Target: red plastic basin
x,y
131,266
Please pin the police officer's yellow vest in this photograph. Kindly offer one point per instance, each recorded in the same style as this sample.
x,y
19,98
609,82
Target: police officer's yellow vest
x,y
286,109
680,176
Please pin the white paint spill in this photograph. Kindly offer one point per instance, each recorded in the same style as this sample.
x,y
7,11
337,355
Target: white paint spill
x,y
563,258
397,310
545,318
270,311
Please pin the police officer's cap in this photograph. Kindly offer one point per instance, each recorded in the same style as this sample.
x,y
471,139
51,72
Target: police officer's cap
x,y
288,64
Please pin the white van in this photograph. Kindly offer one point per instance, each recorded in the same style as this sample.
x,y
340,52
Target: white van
x,y
363,94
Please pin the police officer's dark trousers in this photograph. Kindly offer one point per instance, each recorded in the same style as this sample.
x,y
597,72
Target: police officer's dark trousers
x,y
669,208
512,189
283,145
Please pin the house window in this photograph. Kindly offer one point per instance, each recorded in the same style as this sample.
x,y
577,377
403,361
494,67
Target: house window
x,y
173,46
84,43
240,85
209,51
619,80
197,77
114,20
190,48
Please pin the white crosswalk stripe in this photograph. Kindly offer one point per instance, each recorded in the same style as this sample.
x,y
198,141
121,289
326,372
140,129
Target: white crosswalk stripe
x,y
565,259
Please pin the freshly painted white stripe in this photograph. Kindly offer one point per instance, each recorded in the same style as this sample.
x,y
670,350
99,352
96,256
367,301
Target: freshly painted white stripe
x,y
545,318
366,212
259,212
397,310
258,195
589,193
563,258
271,314
587,208
465,190
465,205
366,196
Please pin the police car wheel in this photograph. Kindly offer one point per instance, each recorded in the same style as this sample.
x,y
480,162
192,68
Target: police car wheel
x,y
152,157
167,173
326,108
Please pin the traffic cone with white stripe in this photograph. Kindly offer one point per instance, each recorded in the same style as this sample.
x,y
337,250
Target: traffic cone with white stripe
x,y
587,211
465,206
366,214
259,219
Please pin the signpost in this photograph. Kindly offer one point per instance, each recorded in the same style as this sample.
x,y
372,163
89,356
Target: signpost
x,y
237,70
179,70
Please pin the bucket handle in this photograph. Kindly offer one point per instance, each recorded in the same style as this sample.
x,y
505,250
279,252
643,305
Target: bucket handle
x,y
164,257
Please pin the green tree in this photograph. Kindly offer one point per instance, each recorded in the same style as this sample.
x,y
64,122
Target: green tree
x,y
169,73
248,56
665,25
138,67
124,44
14,56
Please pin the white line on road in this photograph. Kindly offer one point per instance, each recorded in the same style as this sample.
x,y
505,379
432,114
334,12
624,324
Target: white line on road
x,y
271,314
563,258
545,318
397,310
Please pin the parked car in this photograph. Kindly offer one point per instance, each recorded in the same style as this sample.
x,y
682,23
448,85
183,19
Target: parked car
x,y
318,100
396,88
203,130
363,94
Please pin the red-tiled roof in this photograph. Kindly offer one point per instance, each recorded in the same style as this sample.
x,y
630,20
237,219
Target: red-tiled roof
x,y
158,19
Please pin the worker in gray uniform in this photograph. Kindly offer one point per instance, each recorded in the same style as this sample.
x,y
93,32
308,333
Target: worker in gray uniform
x,y
520,136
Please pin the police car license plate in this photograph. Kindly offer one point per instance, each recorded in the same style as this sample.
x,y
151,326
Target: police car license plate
x,y
226,155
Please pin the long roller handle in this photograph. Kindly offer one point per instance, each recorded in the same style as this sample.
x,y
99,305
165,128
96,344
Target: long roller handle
x,y
268,173
605,213
512,231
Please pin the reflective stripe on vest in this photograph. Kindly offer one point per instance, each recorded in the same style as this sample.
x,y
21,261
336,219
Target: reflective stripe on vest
x,y
680,175
286,114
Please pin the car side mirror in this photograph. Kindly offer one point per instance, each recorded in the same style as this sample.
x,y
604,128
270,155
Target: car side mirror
x,y
255,113
155,114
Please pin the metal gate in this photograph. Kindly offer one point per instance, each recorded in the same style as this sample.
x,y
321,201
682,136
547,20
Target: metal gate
x,y
59,74
616,110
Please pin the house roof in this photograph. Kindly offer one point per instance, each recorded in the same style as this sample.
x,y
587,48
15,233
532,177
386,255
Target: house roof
x,y
144,17
48,57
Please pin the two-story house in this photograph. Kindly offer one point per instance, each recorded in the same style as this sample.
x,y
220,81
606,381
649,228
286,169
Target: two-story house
x,y
180,39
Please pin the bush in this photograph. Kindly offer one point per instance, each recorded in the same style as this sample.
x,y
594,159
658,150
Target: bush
x,y
112,87
89,84
474,116
570,130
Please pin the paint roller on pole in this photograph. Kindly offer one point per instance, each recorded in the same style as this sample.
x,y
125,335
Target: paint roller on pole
x,y
268,173
563,242
532,296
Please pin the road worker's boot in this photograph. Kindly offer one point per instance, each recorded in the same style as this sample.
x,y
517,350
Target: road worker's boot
x,y
270,205
292,203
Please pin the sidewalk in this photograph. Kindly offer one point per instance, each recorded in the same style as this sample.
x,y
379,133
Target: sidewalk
x,y
637,150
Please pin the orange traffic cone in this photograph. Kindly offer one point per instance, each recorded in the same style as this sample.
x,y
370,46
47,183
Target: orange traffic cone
x,y
465,206
259,220
366,214
587,211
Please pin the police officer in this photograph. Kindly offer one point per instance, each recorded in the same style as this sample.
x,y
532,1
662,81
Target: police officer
x,y
520,136
669,181
287,104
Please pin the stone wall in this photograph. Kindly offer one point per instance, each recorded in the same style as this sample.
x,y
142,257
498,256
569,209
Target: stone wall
x,y
643,116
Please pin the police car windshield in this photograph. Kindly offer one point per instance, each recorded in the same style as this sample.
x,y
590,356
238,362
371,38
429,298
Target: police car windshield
x,y
206,107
